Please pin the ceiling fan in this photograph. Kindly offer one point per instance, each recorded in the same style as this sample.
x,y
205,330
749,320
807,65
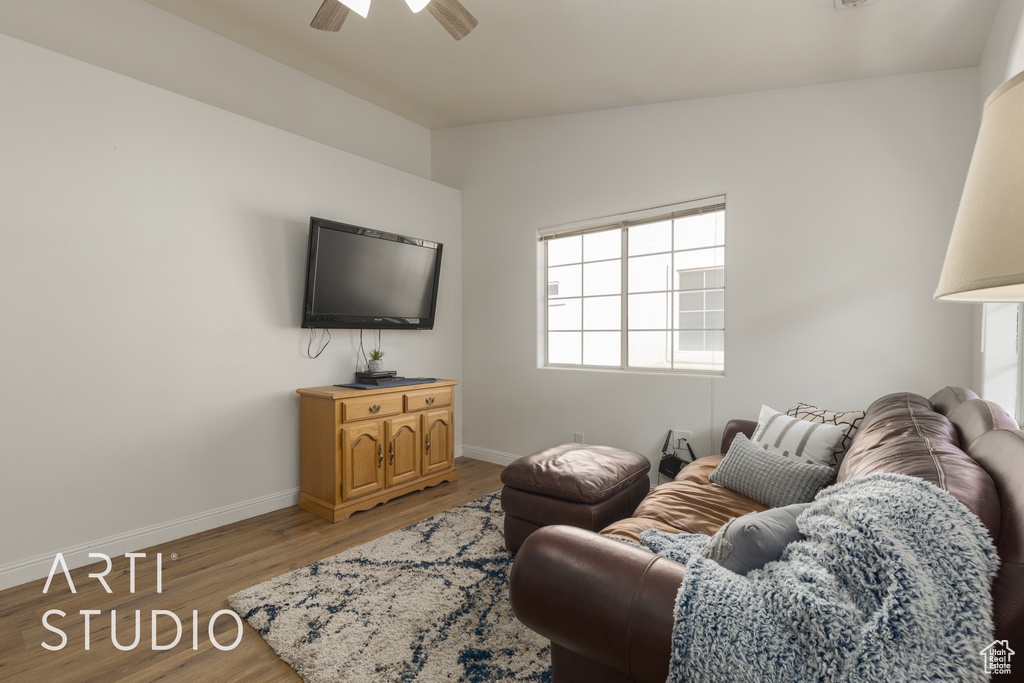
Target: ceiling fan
x,y
455,18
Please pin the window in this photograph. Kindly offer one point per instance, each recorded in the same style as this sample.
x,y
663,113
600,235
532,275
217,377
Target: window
x,y
641,291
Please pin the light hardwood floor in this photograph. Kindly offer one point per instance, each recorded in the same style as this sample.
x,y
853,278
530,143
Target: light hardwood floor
x,y
199,573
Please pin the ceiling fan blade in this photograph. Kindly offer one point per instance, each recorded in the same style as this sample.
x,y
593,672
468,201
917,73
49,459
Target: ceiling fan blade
x,y
455,18
330,16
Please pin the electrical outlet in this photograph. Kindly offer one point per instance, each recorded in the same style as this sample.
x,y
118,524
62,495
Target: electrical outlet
x,y
577,437
681,444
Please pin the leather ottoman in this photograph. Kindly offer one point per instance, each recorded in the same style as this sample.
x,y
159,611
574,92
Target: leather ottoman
x,y
575,484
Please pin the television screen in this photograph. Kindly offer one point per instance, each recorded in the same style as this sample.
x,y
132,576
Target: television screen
x,y
362,278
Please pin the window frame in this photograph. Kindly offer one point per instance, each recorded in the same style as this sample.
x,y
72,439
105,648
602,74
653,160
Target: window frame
x,y
1018,409
622,223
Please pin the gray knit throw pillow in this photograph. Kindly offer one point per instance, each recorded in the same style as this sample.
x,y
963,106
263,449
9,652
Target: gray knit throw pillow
x,y
769,478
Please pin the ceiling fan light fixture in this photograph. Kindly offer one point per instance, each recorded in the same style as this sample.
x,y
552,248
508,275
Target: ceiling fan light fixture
x,y
360,7
453,17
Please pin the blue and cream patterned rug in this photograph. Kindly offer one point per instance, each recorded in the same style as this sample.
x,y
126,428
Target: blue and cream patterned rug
x,y
426,603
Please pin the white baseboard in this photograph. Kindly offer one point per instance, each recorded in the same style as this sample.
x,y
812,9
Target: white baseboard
x,y
487,455
17,573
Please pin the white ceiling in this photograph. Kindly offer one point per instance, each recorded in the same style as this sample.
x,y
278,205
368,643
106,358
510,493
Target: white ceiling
x,y
531,58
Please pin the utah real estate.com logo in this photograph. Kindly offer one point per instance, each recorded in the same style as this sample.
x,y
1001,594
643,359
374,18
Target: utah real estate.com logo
x,y
996,657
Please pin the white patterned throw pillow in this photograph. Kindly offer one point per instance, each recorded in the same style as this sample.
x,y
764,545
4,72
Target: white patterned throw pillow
x,y
849,421
800,440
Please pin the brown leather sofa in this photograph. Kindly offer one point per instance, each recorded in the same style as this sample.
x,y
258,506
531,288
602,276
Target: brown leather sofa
x,y
607,606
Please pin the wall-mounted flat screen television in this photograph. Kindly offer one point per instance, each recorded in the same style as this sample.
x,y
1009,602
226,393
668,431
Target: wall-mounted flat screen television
x,y
358,278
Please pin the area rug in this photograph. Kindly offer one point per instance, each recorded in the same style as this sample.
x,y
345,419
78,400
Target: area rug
x,y
426,603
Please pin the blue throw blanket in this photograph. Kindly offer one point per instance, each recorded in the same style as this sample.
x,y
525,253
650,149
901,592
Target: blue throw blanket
x,y
893,583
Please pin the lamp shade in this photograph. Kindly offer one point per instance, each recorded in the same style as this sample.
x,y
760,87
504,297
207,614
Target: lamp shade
x,y
417,5
985,258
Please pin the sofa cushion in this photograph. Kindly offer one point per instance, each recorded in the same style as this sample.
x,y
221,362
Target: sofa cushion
x,y
902,433
770,478
947,398
689,504
1001,453
752,541
848,420
801,440
974,417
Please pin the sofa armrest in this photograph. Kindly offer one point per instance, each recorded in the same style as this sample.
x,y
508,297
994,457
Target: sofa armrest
x,y
606,601
734,427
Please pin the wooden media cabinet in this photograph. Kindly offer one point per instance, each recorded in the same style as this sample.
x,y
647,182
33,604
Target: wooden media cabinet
x,y
363,447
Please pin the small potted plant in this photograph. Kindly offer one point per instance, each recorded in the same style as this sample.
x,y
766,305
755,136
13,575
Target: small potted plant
x,y
375,364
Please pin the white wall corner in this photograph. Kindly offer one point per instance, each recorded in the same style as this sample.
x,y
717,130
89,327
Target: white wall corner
x,y
140,41
1004,52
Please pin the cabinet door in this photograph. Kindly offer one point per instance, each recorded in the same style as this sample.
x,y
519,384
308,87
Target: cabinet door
x,y
403,450
438,441
362,460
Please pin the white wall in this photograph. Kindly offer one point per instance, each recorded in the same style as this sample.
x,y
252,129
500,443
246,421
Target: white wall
x,y
1004,52
139,40
150,291
840,203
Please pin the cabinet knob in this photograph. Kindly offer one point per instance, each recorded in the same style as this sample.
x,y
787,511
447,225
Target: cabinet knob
x,y
374,409
391,451
428,443
380,456
430,400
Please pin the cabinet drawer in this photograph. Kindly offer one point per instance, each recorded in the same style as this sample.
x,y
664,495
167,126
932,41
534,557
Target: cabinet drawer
x,y
434,398
366,407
